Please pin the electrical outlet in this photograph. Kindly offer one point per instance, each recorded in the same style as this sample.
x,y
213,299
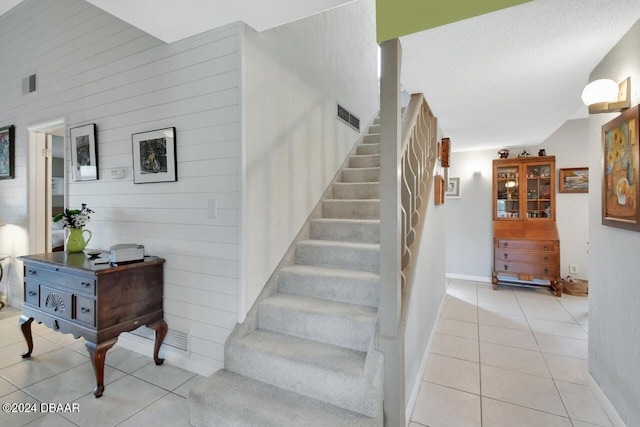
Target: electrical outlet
x,y
573,269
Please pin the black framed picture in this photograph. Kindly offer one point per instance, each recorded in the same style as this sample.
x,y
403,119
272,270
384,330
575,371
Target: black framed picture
x,y
7,152
154,156
84,153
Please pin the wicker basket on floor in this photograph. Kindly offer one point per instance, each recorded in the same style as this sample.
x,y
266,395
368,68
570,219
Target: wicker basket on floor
x,y
576,287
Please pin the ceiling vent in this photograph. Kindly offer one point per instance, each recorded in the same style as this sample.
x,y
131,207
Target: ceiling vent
x,y
347,117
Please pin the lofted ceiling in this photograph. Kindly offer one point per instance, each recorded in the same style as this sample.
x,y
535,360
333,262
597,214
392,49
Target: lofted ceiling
x,y
503,79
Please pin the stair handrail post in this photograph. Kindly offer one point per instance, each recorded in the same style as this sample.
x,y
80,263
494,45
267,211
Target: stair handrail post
x,y
391,336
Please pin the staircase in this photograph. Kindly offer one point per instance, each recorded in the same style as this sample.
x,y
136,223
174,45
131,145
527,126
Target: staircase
x,y
305,355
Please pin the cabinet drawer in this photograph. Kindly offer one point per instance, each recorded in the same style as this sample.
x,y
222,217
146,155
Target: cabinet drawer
x,y
55,302
529,245
533,257
31,293
86,310
85,284
523,268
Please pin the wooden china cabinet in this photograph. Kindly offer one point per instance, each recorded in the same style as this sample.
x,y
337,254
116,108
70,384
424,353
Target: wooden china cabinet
x,y
526,246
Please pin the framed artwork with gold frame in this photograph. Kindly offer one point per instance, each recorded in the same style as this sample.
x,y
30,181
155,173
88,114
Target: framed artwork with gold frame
x,y
620,174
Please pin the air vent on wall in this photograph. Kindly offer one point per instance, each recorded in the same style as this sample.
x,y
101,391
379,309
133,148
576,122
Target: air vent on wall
x,y
348,118
29,84
174,338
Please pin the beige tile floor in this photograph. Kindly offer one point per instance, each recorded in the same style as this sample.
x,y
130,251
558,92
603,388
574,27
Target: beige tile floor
x,y
137,393
512,357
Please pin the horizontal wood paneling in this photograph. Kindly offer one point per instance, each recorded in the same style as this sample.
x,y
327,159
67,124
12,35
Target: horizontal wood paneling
x,y
94,68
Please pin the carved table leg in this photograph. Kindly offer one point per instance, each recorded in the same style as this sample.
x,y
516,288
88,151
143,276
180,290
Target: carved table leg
x,y
160,327
494,282
25,325
98,353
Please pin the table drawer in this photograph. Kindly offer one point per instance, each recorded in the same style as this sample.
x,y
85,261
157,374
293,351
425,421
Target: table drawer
x,y
545,258
32,293
530,245
523,268
56,302
85,284
86,310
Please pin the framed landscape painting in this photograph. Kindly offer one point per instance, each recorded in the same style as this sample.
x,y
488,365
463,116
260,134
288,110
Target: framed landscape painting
x,y
620,175
574,180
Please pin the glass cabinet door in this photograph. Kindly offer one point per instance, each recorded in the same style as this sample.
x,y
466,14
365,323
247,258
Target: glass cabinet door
x,y
538,191
507,187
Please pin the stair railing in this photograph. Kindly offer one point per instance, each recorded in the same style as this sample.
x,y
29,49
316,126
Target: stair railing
x,y
418,148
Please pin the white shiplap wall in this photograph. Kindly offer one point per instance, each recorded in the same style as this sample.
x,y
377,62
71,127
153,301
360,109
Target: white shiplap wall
x,y
94,68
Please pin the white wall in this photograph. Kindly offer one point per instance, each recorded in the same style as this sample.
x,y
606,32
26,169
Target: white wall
x,y
295,75
426,297
469,246
614,318
94,68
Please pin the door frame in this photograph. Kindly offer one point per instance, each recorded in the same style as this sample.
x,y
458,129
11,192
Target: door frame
x,y
39,182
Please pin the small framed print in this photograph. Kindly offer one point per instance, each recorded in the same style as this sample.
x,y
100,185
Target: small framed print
x,y
154,156
453,188
574,180
7,152
84,152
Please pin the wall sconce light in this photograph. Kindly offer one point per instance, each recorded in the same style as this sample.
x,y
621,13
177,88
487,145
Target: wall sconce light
x,y
607,96
477,173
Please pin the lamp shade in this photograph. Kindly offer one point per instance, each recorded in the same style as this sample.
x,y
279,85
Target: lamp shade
x,y
602,90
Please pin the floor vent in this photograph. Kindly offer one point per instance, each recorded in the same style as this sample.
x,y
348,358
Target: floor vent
x,y
174,338
348,118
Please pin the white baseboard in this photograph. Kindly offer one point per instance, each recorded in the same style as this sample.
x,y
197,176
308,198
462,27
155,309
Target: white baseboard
x,y
468,277
608,407
423,364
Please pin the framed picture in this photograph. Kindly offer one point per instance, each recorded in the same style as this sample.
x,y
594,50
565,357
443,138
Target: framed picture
x,y
84,153
154,156
621,165
7,153
453,188
574,180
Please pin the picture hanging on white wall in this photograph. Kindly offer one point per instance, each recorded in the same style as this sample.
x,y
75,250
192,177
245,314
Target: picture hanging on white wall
x,y
453,188
154,156
84,153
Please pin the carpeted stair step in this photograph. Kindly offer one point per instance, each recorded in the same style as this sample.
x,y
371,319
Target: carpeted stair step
x,y
356,190
226,399
361,174
372,148
351,209
330,322
333,254
371,138
333,374
365,161
346,230
353,287
374,128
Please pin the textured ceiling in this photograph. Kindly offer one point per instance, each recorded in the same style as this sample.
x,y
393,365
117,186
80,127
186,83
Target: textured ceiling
x,y
514,76
503,79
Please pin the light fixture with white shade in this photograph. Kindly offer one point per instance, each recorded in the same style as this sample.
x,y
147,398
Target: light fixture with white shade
x,y
607,96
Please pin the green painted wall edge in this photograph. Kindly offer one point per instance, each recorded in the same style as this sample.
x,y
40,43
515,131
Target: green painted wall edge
x,y
397,18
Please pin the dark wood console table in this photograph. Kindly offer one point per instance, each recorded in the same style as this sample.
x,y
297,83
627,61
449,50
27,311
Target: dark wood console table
x,y
71,294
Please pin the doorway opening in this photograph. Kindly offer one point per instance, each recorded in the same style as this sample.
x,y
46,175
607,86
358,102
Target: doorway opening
x,y
47,185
